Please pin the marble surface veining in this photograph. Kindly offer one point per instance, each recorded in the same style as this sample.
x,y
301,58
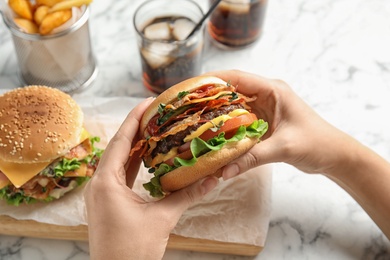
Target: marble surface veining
x,y
336,56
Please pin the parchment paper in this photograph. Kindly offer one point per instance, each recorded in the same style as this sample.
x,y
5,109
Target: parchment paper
x,y
238,210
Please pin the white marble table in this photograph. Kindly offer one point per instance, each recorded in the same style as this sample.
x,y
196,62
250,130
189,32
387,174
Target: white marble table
x,y
335,54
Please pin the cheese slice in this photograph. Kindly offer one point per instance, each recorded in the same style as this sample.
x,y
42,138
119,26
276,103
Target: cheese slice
x,y
20,173
216,121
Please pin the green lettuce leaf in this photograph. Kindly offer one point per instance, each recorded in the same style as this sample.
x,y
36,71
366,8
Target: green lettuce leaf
x,y
66,165
199,147
154,186
15,198
96,154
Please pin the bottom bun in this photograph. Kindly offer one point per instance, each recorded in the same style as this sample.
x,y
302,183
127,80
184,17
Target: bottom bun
x,y
207,164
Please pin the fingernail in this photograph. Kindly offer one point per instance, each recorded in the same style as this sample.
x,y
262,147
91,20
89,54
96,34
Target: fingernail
x,y
230,171
208,184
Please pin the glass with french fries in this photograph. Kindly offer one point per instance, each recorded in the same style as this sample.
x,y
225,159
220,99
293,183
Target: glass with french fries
x,y
52,42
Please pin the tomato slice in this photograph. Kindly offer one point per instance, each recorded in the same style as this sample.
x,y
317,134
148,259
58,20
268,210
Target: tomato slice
x,y
230,126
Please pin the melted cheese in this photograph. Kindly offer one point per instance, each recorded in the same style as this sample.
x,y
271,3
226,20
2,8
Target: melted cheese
x,y
84,135
216,121
163,157
20,173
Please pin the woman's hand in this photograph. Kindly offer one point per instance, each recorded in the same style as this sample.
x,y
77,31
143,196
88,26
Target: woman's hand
x,y
121,224
300,137
296,135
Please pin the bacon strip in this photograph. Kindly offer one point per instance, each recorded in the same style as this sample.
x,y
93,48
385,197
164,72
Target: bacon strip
x,y
80,151
194,96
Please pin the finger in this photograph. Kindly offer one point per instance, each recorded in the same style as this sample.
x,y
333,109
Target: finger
x,y
132,168
133,164
262,153
265,90
177,202
247,83
117,151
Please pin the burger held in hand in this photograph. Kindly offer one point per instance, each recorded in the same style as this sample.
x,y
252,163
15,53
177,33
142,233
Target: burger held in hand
x,y
192,130
45,151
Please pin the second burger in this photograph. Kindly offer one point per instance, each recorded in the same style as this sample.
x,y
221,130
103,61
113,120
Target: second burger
x,y
45,151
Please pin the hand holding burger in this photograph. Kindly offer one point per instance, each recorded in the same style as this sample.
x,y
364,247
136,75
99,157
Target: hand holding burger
x,y
121,224
44,149
297,135
193,129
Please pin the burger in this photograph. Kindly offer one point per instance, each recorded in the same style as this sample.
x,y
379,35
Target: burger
x,y
45,151
192,130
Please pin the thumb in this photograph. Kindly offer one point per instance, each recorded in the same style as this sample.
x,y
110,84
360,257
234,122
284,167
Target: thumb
x,y
180,200
262,153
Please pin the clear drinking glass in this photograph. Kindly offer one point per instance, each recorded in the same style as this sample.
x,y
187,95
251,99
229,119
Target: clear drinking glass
x,y
167,55
237,23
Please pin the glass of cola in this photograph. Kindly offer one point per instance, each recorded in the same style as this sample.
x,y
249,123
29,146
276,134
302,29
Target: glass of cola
x,y
237,23
168,55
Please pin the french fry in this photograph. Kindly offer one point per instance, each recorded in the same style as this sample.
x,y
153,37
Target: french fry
x,y
26,25
53,20
69,4
48,3
44,15
22,8
40,14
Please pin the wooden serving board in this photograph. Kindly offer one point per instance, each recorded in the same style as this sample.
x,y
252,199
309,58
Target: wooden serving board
x,y
31,228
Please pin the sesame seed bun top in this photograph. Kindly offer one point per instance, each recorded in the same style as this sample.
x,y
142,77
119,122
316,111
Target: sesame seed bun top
x,y
38,124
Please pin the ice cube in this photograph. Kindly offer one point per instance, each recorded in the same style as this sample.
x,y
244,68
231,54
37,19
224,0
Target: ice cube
x,y
236,6
157,54
182,28
158,31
